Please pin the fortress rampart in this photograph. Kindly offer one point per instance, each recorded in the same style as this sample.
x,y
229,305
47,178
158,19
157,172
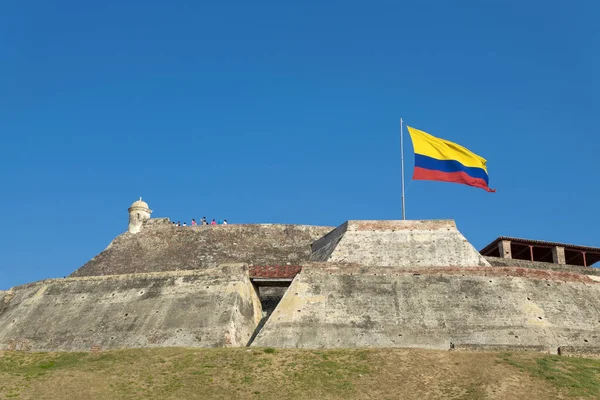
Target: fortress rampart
x,y
210,308
352,306
362,284
160,246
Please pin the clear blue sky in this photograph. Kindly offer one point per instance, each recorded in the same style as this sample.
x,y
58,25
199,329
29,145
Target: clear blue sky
x,y
288,112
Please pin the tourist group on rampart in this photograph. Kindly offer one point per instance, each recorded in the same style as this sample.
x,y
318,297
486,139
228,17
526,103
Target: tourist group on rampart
x,y
203,221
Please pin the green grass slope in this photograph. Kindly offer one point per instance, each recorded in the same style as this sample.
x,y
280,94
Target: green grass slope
x,y
264,373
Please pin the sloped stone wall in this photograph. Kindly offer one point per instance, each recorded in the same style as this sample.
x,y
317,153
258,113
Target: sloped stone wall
x,y
211,308
160,246
331,305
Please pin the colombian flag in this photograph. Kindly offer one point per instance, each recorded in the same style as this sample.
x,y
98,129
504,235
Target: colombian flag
x,y
440,160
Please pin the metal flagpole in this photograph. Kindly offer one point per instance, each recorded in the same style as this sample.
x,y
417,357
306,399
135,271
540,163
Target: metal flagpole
x,y
402,160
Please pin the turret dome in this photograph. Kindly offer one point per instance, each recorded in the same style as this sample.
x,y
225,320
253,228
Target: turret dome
x,y
139,204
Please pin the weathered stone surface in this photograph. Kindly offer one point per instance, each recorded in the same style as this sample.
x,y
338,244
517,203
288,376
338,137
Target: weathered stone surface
x,y
378,284
5,296
501,347
579,351
160,246
211,308
502,262
357,306
398,243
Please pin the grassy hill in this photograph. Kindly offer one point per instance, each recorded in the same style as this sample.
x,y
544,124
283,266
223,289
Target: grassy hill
x,y
244,373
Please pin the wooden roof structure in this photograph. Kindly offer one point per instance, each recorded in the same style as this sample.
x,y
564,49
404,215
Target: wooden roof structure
x,y
539,250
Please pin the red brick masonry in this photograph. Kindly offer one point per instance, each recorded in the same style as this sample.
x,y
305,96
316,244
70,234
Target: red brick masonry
x,y
273,271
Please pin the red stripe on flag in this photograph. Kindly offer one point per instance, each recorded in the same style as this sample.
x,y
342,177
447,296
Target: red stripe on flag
x,y
455,177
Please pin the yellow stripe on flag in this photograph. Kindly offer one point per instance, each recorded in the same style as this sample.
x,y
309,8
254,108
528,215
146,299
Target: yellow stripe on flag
x,y
441,149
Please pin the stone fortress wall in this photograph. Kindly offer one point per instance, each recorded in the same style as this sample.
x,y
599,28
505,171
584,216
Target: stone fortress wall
x,y
209,308
363,284
331,305
160,246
